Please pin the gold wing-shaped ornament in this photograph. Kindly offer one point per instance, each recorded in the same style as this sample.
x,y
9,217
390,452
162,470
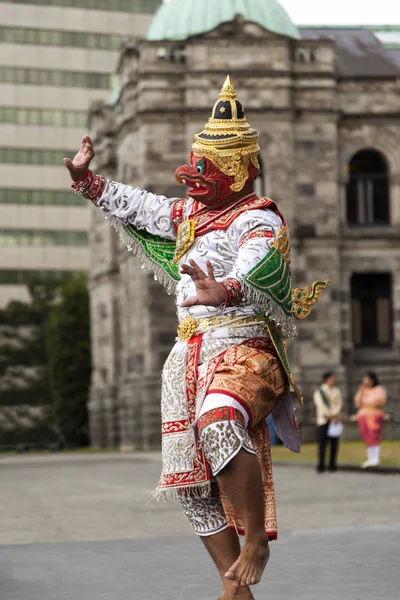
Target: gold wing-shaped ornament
x,y
303,299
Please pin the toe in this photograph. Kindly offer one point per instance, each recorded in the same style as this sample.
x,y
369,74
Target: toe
x,y
230,575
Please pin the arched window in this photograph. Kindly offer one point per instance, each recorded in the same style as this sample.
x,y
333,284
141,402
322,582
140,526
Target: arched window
x,y
260,184
367,192
371,303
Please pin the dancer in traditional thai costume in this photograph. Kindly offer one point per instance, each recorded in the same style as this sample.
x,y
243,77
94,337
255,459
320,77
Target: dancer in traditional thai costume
x,y
225,254
369,400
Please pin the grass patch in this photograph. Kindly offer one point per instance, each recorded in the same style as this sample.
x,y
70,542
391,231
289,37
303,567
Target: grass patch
x,y
349,453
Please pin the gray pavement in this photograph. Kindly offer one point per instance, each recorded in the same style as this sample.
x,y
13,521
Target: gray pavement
x,y
78,527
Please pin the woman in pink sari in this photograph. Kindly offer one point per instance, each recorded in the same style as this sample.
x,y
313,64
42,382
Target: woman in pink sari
x,y
369,400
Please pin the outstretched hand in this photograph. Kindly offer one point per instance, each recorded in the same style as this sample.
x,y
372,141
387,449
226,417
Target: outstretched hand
x,y
209,291
79,166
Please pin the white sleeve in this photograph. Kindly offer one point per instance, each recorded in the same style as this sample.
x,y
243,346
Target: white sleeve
x,y
320,404
134,206
257,232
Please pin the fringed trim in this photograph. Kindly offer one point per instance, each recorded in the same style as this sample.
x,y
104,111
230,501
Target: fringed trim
x,y
285,325
160,274
194,490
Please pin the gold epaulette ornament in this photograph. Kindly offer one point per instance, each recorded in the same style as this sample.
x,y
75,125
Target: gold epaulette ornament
x,y
185,239
304,298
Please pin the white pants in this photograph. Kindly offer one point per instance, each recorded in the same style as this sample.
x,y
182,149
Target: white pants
x,y
222,430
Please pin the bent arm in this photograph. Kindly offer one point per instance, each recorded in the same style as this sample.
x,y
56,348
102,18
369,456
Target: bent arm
x,y
358,397
258,231
338,404
130,205
261,276
322,408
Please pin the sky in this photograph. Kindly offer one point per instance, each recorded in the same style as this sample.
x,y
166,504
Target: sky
x,y
342,12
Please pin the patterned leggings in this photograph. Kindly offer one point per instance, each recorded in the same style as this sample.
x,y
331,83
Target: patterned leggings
x,y
222,429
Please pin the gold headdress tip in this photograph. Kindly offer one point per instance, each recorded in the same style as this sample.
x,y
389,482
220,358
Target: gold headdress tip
x,y
228,91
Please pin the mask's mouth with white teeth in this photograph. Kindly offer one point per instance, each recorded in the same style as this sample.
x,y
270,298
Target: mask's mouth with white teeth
x,y
199,188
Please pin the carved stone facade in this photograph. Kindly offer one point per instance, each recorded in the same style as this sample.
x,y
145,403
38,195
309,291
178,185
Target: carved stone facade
x,y
313,117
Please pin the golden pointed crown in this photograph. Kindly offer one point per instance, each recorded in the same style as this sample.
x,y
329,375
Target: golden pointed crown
x,y
227,128
227,139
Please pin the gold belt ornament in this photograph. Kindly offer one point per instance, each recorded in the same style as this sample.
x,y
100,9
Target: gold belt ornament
x,y
189,326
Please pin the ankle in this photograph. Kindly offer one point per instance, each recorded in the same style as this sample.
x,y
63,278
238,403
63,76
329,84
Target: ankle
x,y
257,538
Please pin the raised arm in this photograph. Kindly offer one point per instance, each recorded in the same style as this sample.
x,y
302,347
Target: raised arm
x,y
134,206
358,396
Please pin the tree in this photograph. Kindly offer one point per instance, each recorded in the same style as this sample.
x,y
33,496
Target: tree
x,y
23,368
25,399
69,360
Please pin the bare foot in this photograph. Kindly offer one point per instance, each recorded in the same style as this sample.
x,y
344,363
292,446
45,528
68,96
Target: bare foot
x,y
250,565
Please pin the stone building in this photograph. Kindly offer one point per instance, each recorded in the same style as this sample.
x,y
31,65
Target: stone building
x,y
327,105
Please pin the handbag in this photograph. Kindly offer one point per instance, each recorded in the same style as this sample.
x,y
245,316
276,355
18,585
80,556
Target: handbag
x,y
335,430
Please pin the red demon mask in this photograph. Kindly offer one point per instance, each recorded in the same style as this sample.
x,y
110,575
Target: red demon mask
x,y
207,183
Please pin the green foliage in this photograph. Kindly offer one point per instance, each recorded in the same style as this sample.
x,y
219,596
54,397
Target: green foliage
x,y
69,360
45,366
22,428
23,360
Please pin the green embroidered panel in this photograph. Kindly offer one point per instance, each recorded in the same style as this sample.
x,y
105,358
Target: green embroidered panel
x,y
271,276
280,347
157,249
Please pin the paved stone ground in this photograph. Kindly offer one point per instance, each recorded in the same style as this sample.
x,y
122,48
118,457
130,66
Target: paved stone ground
x,y
78,527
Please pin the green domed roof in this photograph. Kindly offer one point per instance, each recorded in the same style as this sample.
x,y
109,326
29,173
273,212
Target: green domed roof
x,y
180,19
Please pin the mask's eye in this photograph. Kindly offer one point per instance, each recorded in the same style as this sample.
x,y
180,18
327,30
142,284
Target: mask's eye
x,y
200,167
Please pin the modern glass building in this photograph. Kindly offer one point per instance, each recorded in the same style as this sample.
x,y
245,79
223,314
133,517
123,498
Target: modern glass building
x,y
56,57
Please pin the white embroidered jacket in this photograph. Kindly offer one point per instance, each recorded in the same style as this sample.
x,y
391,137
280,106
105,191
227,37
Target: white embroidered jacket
x,y
233,252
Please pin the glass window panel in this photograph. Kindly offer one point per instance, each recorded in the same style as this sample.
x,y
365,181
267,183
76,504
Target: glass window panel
x,y
70,79
18,36
57,117
9,74
7,34
9,114
46,117
58,78
70,119
47,157
91,41
22,116
35,117
83,119
19,75
31,36
43,38
45,77
23,156
11,155
56,38
116,43
35,157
